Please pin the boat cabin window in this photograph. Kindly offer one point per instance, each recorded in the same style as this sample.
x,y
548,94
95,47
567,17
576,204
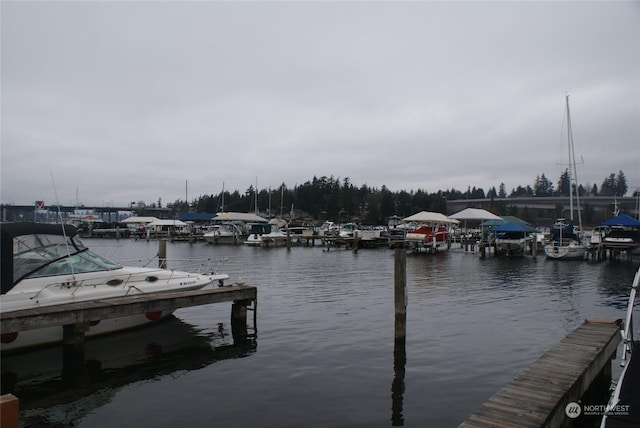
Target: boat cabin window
x,y
260,228
49,255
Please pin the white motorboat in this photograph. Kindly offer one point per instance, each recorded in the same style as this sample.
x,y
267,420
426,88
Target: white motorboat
x,y
224,233
256,230
328,228
347,230
265,234
48,265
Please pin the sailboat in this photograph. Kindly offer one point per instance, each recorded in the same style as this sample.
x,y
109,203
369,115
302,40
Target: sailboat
x,y
566,241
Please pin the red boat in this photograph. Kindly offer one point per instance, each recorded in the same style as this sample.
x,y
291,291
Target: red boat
x,y
431,237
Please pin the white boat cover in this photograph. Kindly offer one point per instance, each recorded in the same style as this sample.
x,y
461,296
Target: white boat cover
x,y
429,217
246,217
474,214
143,220
167,222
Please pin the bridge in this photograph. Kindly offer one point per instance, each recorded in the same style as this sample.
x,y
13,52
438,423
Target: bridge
x,y
108,214
594,208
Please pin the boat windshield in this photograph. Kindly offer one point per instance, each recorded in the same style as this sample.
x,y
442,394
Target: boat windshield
x,y
49,255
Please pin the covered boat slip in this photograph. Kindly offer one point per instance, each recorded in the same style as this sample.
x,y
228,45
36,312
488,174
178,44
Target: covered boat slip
x,y
512,238
431,233
615,236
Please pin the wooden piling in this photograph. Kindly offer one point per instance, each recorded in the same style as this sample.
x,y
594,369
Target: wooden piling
x,y
400,339
400,293
162,253
73,339
239,319
534,248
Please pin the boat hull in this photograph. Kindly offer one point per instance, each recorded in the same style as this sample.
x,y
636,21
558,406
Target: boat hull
x,y
53,335
511,247
565,252
41,292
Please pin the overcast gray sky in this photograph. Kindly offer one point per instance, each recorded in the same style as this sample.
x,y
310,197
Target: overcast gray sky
x,y
128,101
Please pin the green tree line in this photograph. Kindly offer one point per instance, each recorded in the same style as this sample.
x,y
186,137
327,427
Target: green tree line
x,y
340,200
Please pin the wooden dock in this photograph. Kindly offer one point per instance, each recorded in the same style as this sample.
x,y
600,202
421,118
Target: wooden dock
x,y
539,395
76,317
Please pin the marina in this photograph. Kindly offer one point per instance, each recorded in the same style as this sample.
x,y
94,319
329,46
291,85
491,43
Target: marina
x,y
326,354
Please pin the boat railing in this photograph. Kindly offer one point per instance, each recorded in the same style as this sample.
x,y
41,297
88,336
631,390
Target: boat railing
x,y
627,328
627,339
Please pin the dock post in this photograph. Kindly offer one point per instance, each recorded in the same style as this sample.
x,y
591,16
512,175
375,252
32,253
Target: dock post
x,y
73,342
400,293
162,253
355,242
239,319
399,348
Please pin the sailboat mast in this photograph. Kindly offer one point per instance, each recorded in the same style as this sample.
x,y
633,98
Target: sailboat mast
x,y
222,199
255,194
570,165
573,174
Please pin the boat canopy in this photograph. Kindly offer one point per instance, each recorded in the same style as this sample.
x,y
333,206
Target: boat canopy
x,y
143,220
514,226
246,217
429,217
474,214
621,220
167,222
34,236
196,217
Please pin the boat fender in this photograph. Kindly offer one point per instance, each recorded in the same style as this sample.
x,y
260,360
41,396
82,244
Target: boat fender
x,y
153,316
8,337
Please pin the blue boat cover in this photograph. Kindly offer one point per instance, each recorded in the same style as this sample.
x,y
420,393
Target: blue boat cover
x,y
621,220
513,226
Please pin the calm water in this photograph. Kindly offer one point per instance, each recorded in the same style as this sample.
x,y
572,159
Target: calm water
x,y
324,355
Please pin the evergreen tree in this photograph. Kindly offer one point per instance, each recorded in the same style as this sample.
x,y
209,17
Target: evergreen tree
x,y
542,186
502,191
621,184
564,183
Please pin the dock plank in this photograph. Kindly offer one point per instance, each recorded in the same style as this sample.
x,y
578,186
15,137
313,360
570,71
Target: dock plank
x,y
537,396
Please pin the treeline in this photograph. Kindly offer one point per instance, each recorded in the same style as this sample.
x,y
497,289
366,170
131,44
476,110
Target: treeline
x,y
340,200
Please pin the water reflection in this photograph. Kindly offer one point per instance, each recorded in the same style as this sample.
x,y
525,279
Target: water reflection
x,y
54,392
397,386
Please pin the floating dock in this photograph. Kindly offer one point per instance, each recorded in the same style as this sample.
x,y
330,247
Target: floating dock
x,y
540,394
